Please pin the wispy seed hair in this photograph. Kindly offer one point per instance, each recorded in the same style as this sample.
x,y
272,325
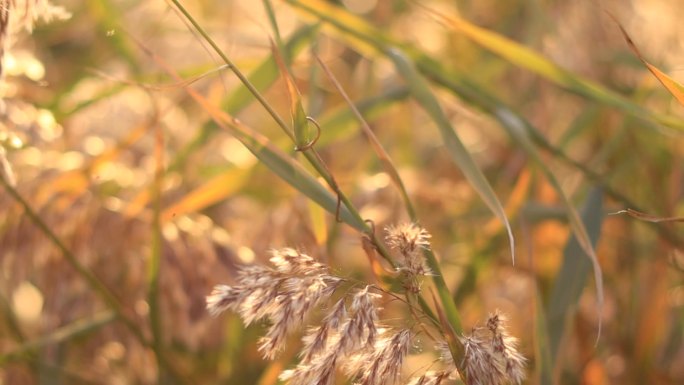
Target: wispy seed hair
x,y
284,295
410,239
491,355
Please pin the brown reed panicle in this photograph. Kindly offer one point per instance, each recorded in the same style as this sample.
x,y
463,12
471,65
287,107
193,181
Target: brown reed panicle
x,y
350,335
382,363
491,355
410,240
284,295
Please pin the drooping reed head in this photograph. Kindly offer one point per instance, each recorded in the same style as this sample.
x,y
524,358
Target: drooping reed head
x,y
350,334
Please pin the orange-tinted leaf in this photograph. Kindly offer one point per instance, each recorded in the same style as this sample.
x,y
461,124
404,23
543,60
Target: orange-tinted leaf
x,y
209,193
674,87
300,124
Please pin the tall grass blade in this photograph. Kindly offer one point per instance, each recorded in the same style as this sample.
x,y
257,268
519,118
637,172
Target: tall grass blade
x,y
380,152
310,154
270,155
279,162
515,125
423,95
573,273
528,59
262,77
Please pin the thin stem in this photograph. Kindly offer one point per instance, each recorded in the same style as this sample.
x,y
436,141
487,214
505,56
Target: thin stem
x,y
154,265
311,155
236,71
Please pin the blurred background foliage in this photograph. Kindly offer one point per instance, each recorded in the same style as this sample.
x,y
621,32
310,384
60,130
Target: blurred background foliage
x,y
130,202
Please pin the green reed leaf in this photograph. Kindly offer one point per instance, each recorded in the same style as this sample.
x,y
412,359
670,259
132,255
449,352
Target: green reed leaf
x,y
571,278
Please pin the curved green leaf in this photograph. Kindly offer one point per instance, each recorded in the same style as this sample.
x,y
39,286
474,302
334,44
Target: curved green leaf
x,y
532,61
423,95
573,273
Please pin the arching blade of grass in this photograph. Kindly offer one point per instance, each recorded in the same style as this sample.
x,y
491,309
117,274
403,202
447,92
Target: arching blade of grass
x,y
272,157
516,128
573,273
528,59
310,154
383,156
279,162
358,30
261,77
519,129
423,95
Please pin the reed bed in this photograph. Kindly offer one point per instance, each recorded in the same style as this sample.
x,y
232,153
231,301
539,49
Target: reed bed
x,y
318,192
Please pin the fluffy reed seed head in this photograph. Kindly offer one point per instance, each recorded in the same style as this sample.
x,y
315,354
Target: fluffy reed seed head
x,y
320,370
506,345
284,295
338,337
410,240
318,338
491,355
381,363
349,334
